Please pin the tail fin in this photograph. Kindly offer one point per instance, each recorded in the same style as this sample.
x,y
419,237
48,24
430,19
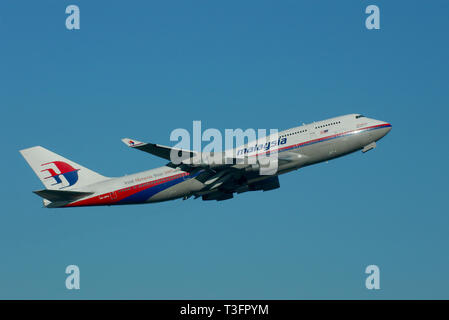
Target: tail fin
x,y
57,172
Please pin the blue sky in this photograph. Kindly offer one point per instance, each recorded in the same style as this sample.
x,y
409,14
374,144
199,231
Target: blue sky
x,y
144,68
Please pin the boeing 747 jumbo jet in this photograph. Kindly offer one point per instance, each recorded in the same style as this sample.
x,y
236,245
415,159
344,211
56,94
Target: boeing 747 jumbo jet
x,y
68,184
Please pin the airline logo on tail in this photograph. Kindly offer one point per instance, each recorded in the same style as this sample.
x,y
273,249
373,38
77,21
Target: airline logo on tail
x,y
69,173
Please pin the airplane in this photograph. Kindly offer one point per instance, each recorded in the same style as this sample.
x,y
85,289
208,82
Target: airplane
x,y
68,184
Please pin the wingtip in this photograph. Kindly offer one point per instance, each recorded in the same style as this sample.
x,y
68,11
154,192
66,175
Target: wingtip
x,y
131,142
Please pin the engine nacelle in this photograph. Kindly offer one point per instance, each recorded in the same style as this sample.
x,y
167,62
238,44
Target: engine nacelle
x,y
219,196
265,185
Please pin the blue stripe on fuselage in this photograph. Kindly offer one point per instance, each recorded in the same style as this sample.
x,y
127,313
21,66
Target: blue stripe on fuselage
x,y
144,195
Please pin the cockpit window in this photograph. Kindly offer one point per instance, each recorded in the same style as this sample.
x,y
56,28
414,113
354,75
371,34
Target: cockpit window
x,y
359,116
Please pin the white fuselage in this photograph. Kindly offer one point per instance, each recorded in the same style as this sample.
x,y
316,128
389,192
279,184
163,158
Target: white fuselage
x,y
303,146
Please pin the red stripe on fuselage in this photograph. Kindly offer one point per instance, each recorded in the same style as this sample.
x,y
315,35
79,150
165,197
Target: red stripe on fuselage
x,y
115,196
322,139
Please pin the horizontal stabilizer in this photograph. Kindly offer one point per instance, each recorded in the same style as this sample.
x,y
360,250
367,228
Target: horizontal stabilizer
x,y
60,195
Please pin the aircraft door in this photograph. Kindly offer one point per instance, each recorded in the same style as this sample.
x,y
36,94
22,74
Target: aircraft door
x,y
312,132
113,195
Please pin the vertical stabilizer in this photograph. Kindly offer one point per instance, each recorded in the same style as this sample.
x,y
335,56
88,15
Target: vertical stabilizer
x,y
57,172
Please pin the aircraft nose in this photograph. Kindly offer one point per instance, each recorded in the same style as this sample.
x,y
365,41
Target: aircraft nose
x,y
386,127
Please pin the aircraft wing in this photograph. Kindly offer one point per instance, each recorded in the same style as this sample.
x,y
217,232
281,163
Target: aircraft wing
x,y
165,152
187,159
157,149
222,183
